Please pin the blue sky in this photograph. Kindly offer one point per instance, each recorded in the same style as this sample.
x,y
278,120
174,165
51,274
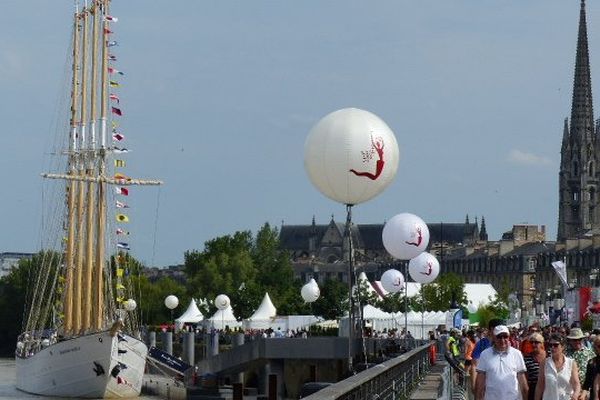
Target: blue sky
x,y
219,97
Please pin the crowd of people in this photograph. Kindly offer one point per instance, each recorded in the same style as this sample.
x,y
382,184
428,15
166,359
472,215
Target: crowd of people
x,y
530,363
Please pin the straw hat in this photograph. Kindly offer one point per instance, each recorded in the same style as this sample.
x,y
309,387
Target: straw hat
x,y
575,334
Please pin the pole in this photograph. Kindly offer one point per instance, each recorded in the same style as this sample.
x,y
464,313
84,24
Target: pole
x,y
350,276
423,311
405,299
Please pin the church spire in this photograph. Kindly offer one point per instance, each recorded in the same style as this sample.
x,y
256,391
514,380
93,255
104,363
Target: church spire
x,y
582,112
483,236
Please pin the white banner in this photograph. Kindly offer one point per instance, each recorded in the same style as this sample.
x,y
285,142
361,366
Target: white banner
x,y
561,270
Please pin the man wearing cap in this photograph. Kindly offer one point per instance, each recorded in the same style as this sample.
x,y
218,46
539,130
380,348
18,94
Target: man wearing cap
x,y
486,341
579,352
501,370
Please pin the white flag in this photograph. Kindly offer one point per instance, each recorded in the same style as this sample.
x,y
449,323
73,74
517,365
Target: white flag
x,y
561,270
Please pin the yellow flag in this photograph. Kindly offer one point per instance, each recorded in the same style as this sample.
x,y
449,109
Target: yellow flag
x,y
119,286
120,299
120,272
122,218
119,163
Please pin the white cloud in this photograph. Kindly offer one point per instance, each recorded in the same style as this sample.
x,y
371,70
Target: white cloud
x,y
519,157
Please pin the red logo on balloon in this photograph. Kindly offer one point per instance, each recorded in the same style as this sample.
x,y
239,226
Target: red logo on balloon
x,y
419,238
429,269
376,146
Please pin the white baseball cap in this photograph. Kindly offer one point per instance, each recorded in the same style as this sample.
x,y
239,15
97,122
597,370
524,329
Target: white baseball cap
x,y
501,329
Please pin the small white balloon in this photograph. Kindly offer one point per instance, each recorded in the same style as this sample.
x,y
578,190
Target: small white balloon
x,y
310,292
222,302
130,305
424,268
392,280
351,155
405,236
46,342
171,302
313,282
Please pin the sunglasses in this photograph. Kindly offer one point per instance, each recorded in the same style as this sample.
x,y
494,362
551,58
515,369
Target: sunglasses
x,y
502,336
535,342
553,344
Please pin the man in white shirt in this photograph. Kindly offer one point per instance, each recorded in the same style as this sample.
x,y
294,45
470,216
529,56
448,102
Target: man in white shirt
x,y
501,370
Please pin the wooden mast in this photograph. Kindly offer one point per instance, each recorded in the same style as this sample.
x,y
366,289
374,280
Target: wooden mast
x,y
80,249
101,214
91,186
72,186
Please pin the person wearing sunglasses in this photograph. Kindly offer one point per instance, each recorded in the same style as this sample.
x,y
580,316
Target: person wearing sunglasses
x,y
558,378
501,370
533,360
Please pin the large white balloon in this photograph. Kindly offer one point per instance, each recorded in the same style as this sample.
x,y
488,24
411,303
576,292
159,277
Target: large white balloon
x,y
222,302
310,292
392,280
424,268
171,302
351,155
405,236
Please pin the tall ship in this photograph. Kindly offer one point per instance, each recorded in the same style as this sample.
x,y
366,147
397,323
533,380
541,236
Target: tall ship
x,y
81,327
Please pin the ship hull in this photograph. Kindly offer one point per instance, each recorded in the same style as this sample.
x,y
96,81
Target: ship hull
x,y
90,366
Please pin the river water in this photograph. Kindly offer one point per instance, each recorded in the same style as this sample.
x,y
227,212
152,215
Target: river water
x,y
8,379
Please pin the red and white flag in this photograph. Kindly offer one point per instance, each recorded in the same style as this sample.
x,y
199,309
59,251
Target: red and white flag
x,y
114,97
116,111
117,136
120,204
122,190
111,18
122,232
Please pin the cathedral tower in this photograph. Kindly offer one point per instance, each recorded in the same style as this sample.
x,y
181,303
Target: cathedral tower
x,y
578,178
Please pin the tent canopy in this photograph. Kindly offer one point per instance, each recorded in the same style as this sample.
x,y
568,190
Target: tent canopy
x,y
266,310
191,315
222,319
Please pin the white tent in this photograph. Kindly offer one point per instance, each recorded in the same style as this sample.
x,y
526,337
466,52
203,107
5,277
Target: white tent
x,y
221,319
371,312
191,315
263,316
480,293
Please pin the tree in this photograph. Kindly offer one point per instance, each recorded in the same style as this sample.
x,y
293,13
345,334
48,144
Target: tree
x,y
152,298
333,301
274,272
439,295
13,289
244,269
224,265
392,302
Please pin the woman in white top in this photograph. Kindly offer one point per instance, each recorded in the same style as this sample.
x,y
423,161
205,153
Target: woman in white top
x,y
558,378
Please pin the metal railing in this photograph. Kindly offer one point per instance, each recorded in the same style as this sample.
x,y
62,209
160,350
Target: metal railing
x,y
394,379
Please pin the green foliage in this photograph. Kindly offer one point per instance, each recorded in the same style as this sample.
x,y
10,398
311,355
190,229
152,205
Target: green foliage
x,y
13,289
366,296
152,297
244,268
333,301
393,302
439,295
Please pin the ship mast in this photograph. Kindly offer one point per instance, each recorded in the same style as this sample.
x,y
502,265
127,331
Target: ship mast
x,y
84,305
101,214
72,186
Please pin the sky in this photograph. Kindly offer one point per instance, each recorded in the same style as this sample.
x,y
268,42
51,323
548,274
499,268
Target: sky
x,y
219,96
